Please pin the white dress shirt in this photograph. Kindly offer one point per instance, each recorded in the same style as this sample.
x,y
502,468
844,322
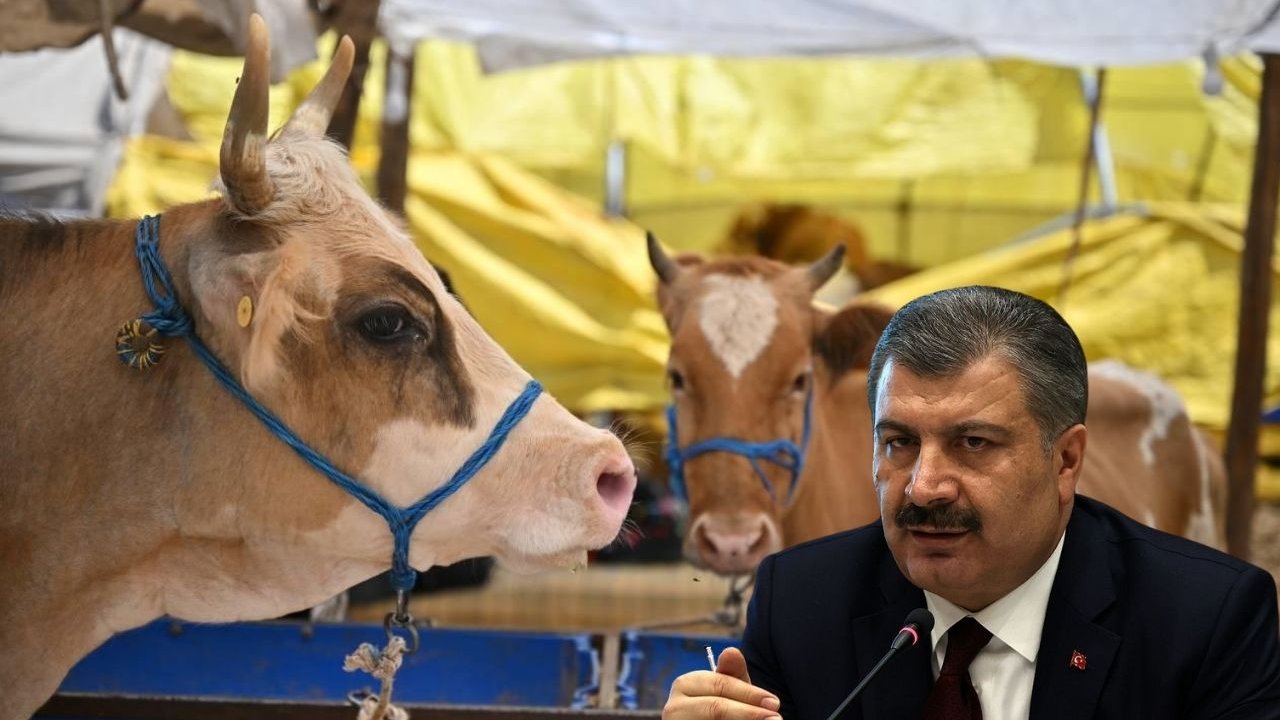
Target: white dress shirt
x,y
1005,669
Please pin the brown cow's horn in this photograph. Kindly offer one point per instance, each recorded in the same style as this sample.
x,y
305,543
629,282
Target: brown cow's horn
x,y
826,266
663,265
312,116
244,144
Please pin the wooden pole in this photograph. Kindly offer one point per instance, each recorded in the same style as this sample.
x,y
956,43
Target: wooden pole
x,y
1255,306
393,163
360,21
1086,173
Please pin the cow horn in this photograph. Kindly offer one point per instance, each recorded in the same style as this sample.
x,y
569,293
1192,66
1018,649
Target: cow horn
x,y
243,162
311,119
663,265
824,267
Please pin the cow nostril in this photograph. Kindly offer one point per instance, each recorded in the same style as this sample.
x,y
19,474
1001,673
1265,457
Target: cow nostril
x,y
616,489
734,544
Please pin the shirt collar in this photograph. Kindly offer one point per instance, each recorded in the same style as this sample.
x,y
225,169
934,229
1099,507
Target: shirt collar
x,y
1017,619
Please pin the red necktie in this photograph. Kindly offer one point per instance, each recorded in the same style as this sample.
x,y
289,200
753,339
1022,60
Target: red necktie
x,y
952,696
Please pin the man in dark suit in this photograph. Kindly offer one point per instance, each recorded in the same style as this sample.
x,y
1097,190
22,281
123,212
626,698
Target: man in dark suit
x,y
1047,605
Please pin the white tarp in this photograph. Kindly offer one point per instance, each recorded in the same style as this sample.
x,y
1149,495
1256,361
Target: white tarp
x,y
62,128
511,33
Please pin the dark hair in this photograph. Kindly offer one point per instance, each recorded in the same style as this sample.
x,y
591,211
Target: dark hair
x,y
945,332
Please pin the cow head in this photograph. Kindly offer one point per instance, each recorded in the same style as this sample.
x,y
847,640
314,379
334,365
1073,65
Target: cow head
x,y
317,298
742,366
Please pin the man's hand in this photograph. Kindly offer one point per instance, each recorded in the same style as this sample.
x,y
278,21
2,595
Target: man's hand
x,y
726,694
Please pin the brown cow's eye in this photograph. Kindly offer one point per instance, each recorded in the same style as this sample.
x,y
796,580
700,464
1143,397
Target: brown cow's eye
x,y
801,383
386,324
677,380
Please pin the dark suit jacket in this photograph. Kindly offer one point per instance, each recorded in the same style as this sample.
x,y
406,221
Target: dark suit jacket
x,y
1169,628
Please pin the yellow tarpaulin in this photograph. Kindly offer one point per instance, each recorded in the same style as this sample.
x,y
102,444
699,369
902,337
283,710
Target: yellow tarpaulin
x,y
565,292
1158,289
937,161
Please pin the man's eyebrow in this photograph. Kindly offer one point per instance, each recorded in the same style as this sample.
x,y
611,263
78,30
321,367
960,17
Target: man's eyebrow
x,y
970,427
894,426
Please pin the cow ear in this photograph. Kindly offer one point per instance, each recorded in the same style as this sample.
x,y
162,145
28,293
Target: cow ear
x,y
245,304
849,337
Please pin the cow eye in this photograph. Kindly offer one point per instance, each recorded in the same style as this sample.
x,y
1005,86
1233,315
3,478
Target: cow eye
x,y
801,383
386,324
676,379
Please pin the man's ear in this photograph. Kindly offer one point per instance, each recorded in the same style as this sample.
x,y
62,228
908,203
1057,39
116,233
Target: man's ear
x,y
847,339
1068,459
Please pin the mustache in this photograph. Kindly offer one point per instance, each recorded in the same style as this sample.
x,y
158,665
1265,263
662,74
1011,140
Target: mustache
x,y
939,517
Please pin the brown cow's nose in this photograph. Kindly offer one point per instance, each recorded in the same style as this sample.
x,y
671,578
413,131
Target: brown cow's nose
x,y
735,547
616,484
733,544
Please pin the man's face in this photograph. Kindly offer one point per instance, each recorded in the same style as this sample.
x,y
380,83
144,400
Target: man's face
x,y
972,504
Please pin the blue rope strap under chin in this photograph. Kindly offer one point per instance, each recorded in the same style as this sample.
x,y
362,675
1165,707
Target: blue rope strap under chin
x,y
170,319
781,452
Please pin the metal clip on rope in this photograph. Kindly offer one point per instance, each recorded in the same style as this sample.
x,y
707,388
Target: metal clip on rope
x,y
400,618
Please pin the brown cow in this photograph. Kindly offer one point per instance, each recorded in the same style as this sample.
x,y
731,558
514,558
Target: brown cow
x,y
129,494
794,234
749,349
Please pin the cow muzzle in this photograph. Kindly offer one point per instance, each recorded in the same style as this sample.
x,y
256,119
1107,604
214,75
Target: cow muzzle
x,y
732,544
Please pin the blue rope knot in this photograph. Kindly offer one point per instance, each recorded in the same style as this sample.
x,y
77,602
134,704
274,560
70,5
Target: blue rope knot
x,y
170,319
781,452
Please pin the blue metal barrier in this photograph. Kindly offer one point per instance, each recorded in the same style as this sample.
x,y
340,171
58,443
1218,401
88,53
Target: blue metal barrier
x,y
292,661
651,661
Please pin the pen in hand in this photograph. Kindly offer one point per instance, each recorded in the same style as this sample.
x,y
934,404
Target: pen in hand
x,y
711,659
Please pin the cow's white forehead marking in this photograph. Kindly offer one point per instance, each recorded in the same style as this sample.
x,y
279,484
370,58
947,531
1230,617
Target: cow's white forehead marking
x,y
738,316
1166,405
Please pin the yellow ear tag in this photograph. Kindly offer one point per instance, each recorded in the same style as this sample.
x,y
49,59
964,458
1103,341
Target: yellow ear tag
x,y
244,311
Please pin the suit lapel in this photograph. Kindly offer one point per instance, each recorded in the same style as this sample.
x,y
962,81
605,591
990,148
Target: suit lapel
x,y
1075,652
899,690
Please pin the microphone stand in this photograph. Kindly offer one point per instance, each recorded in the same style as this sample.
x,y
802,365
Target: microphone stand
x,y
918,622
836,713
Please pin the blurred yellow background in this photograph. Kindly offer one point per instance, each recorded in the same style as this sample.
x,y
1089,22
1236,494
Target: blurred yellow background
x,y
951,165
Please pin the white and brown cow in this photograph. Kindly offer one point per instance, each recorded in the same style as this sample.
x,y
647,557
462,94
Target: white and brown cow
x,y
748,347
126,495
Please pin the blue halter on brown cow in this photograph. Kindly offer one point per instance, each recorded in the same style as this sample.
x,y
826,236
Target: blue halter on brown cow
x,y
330,347
755,364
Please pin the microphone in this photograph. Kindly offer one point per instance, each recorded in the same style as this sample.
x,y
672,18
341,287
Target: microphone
x,y
918,622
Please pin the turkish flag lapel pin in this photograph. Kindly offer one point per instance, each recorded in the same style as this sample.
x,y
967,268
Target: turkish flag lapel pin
x,y
1078,660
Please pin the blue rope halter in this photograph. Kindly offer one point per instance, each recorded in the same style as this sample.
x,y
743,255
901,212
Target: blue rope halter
x,y
170,319
781,452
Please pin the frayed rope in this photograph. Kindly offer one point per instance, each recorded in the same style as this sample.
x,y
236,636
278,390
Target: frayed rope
x,y
381,664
